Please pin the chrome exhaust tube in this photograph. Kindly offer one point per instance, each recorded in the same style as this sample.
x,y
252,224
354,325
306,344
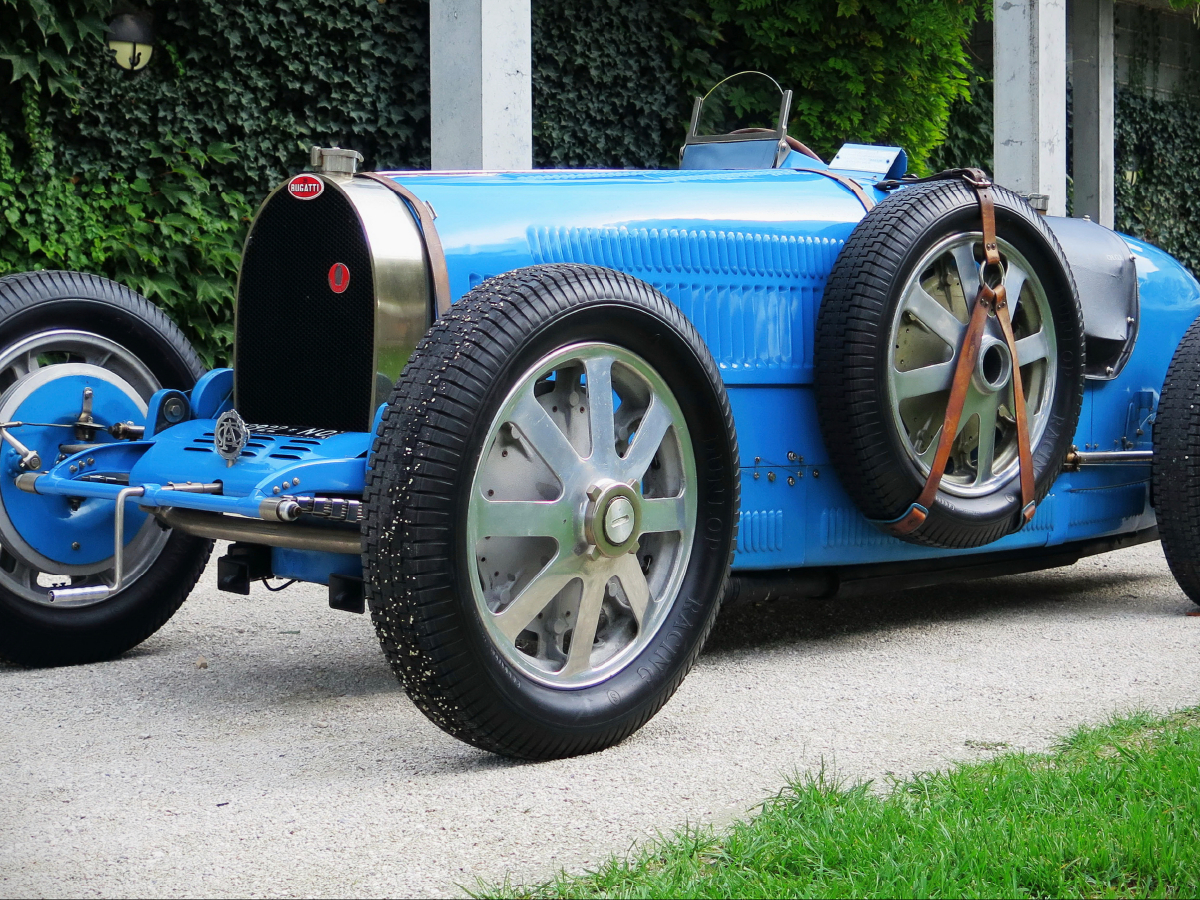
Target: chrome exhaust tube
x,y
221,527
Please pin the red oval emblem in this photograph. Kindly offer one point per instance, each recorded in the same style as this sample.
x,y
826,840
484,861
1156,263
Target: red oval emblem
x,y
339,278
305,187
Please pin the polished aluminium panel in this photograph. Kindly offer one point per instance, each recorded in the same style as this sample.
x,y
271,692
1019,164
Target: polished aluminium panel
x,y
403,306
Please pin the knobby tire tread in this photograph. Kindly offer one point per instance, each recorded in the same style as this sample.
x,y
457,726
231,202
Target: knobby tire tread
x,y
409,496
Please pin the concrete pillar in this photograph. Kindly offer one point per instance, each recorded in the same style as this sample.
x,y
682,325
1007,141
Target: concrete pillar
x,y
1030,57
480,85
1092,64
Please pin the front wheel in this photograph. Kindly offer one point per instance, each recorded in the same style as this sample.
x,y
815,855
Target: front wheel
x,y
66,340
1176,471
552,506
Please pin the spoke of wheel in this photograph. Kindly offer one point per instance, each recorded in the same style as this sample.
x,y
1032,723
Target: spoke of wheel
x,y
925,380
24,575
525,518
101,361
1014,280
646,441
986,454
930,452
968,271
546,438
663,514
579,659
934,316
1032,348
633,582
26,365
533,599
601,421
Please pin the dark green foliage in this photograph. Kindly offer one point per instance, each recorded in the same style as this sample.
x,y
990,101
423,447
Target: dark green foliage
x,y
163,230
1158,172
613,81
1114,812
270,78
149,178
969,127
882,71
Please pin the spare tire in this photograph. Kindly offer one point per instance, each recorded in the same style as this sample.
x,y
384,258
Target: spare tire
x,y
888,336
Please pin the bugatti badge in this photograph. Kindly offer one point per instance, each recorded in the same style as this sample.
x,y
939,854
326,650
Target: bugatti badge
x,y
230,436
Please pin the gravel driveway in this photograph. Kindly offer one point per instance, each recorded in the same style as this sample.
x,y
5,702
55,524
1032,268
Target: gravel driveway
x,y
260,746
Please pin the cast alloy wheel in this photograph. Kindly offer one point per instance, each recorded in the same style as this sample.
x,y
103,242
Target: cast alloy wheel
x,y
25,366
581,516
927,330
551,510
889,333
63,335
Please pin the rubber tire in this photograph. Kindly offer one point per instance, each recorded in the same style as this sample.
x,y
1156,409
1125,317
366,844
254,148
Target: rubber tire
x,y
853,353
1175,486
35,635
418,481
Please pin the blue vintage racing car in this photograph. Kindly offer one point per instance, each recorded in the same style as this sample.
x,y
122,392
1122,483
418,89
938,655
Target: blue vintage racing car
x,y
542,424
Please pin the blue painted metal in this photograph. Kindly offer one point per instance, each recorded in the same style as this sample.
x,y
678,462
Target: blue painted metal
x,y
745,255
313,565
50,525
213,394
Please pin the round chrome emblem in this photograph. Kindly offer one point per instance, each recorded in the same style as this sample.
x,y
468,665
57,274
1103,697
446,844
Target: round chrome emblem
x,y
230,436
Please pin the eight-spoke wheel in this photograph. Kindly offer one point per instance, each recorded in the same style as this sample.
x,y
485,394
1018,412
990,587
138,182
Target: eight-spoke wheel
x,y
552,505
889,334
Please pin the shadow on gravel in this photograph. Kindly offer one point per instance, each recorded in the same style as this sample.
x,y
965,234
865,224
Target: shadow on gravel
x,y
786,621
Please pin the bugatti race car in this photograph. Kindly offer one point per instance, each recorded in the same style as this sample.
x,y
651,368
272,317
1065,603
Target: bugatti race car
x,y
543,424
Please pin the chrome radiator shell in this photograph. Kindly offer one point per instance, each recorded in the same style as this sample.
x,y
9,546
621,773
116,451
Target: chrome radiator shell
x,y
306,355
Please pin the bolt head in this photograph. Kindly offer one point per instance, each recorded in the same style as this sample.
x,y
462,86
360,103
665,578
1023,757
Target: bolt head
x,y
594,492
74,545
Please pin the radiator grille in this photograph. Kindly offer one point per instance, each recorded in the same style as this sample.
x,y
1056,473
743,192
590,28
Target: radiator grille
x,y
304,353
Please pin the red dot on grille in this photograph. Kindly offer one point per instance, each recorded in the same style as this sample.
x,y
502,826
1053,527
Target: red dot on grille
x,y
339,278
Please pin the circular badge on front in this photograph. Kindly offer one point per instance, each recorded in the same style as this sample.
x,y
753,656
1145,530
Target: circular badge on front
x,y
339,278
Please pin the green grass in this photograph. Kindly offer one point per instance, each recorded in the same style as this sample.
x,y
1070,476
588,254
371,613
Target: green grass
x,y
1114,811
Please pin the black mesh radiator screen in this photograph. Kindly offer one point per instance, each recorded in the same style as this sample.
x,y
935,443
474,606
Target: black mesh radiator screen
x,y
303,352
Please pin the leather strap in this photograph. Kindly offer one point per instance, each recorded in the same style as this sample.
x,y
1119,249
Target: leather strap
x,y
433,244
989,301
854,186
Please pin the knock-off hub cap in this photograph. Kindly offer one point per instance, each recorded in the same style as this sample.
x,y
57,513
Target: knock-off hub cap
x,y
612,523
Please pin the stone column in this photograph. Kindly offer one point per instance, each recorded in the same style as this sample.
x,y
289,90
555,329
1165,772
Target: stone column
x,y
1030,58
1092,64
480,84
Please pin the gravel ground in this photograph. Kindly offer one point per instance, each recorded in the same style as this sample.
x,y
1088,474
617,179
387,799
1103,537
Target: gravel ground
x,y
260,746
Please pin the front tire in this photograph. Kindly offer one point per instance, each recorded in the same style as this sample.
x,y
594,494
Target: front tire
x,y
1176,471
551,511
53,322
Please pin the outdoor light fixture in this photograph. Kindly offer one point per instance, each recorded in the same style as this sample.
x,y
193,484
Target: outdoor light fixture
x,y
131,41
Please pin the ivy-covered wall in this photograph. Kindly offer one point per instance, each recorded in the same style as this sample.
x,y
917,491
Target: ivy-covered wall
x,y
1157,119
151,178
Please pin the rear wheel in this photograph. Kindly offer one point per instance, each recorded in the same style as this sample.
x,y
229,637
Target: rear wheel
x,y
63,334
551,509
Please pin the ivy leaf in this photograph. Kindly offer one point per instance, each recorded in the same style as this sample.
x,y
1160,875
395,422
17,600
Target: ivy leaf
x,y
23,66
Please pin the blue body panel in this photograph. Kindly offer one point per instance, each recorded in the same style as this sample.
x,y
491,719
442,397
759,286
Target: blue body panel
x,y
745,255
